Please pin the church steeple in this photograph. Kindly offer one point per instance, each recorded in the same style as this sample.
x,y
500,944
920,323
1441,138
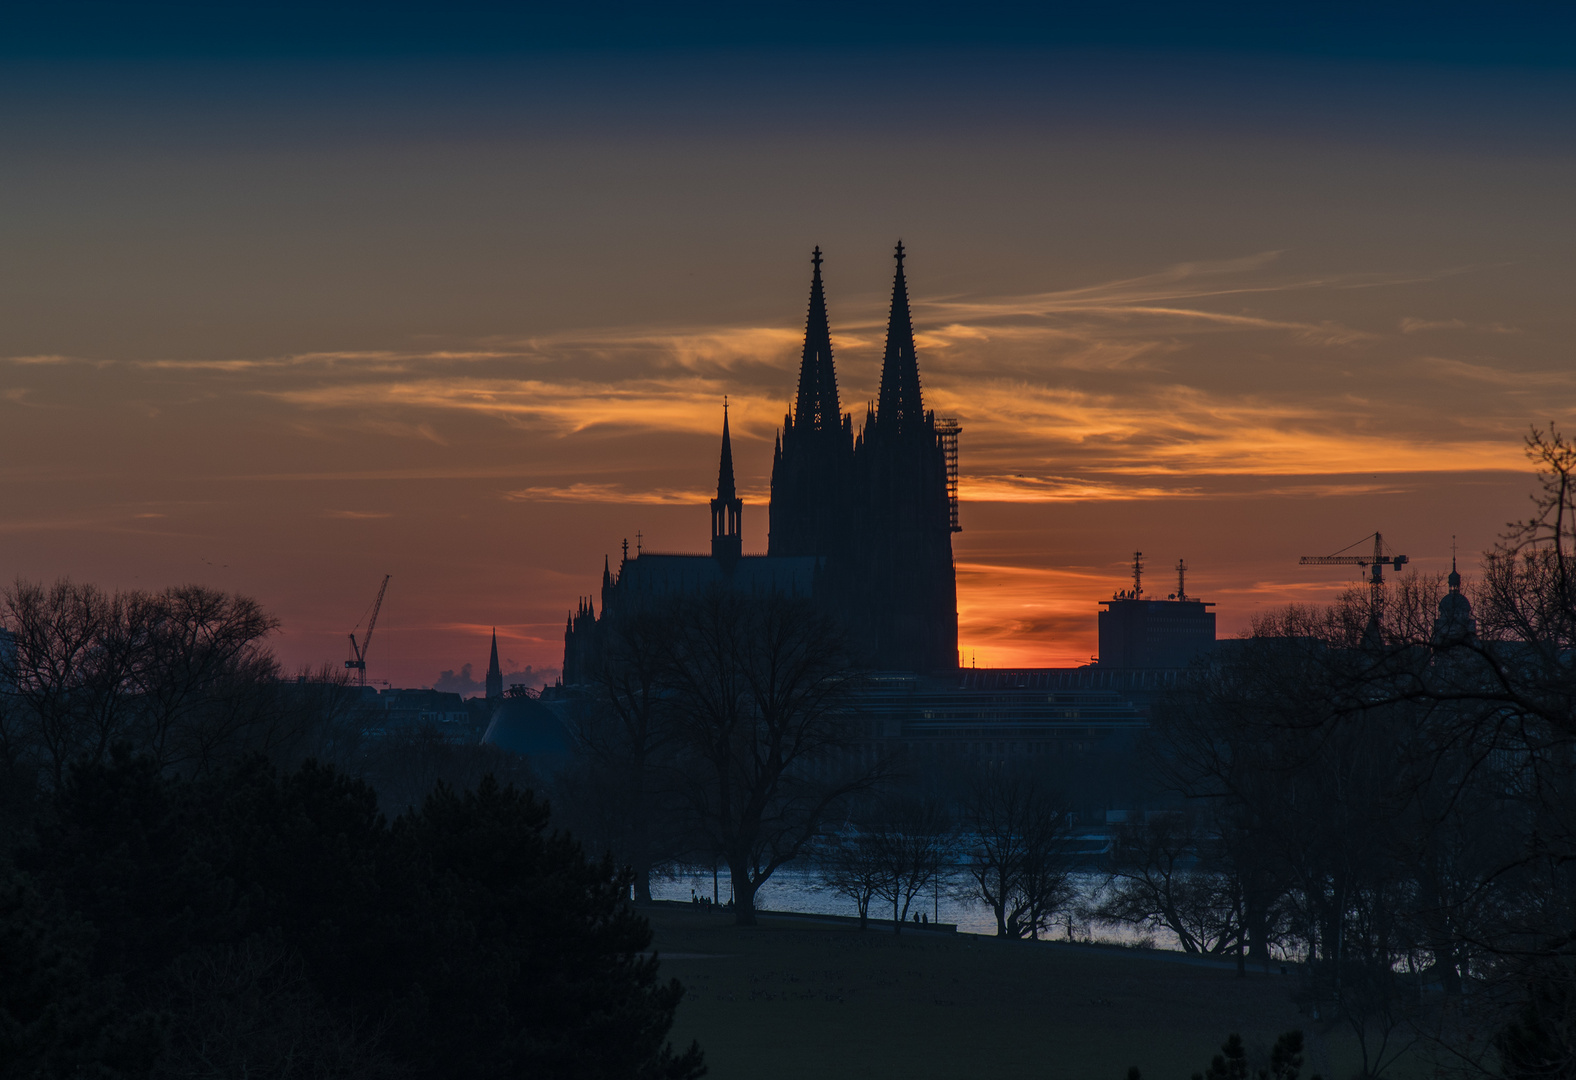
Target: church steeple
x,y
1456,625
494,672
817,407
899,407
727,509
725,488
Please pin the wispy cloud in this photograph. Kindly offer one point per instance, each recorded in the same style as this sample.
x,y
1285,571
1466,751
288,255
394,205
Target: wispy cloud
x,y
1111,390
1410,325
607,493
32,361
1032,489
686,404
1464,370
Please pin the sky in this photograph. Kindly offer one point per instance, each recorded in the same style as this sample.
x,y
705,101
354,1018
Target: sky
x,y
294,298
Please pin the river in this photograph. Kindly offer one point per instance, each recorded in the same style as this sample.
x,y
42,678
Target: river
x,y
799,889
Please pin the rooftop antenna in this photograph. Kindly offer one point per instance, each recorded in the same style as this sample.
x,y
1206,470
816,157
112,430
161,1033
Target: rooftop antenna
x,y
638,541
1138,574
1181,579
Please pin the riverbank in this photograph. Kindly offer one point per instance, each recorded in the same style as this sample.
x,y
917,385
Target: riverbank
x,y
849,922
797,997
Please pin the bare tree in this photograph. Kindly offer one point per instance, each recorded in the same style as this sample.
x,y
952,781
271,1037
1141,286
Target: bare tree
x,y
319,715
174,674
1017,832
761,686
851,863
626,733
1162,875
914,843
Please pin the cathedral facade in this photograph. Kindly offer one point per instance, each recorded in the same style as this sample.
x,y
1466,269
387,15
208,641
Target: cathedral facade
x,y
860,521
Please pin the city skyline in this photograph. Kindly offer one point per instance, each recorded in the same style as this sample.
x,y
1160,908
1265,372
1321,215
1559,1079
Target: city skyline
x,y
282,327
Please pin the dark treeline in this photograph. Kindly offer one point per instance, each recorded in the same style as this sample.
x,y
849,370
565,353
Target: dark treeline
x,y
185,677
1387,799
198,877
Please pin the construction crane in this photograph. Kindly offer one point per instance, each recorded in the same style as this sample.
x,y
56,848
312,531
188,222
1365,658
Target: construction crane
x,y
1378,560
359,664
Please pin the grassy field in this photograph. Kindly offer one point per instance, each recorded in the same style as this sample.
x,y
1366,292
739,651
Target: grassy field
x,y
791,999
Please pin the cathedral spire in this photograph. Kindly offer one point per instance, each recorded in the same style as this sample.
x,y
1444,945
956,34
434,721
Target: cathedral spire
x,y
899,404
817,407
727,509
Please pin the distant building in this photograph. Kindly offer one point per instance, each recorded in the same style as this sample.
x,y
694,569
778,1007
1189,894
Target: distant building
x,y
650,578
1139,632
413,708
524,724
1078,725
1456,625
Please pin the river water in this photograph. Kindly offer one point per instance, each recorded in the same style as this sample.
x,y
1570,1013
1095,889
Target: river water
x,y
799,889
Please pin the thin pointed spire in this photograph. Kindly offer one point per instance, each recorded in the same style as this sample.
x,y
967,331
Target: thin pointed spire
x,y
494,682
899,403
725,485
727,508
817,407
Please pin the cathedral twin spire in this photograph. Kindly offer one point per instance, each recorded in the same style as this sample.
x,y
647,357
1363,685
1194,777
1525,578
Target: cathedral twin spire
x,y
817,408
899,403
870,518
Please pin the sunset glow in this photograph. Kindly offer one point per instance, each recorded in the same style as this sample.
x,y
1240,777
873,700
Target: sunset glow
x,y
285,348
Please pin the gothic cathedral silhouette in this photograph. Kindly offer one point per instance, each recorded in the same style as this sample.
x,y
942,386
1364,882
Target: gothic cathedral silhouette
x,y
861,522
876,506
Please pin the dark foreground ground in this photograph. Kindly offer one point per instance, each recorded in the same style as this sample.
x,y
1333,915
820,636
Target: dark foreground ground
x,y
794,999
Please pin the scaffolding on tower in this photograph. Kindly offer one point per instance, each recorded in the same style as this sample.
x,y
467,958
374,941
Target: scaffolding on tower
x,y
947,430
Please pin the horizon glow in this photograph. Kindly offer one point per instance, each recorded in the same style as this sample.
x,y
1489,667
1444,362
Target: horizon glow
x,y
283,328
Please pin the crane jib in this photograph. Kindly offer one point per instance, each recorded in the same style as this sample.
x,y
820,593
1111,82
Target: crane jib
x,y
359,650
